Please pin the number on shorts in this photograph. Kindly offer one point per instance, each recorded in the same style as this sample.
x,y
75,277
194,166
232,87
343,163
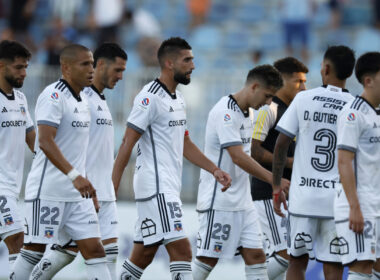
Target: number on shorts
x,y
369,230
225,229
46,212
3,201
175,210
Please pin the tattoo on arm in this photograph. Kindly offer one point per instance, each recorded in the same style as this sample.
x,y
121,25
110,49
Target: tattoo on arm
x,y
279,161
257,151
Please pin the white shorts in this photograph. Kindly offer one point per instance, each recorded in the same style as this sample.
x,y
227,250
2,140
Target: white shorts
x,y
273,226
313,236
159,220
108,220
10,218
222,233
46,220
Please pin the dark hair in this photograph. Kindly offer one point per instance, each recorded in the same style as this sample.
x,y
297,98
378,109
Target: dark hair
x,y
343,60
12,49
171,46
266,74
290,65
367,64
109,51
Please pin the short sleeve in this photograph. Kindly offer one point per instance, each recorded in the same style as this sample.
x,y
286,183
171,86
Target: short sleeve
x,y
228,129
349,130
289,123
29,121
143,112
263,121
49,108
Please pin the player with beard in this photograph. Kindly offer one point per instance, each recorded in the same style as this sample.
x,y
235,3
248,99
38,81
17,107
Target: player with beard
x,y
16,129
157,123
109,62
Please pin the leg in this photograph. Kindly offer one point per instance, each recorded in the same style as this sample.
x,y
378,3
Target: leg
x,y
202,267
255,266
360,270
297,267
376,270
277,265
14,244
29,256
112,250
333,271
180,259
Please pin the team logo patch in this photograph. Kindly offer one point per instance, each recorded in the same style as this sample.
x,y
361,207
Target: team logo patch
x,y
54,95
177,226
351,117
8,221
49,233
227,117
218,247
145,101
148,228
22,109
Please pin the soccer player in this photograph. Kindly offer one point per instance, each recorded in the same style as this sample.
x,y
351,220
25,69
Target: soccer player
x,y
312,118
56,189
157,123
16,129
357,204
293,73
228,221
110,63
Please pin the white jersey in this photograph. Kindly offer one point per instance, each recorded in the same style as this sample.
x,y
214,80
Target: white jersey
x,y
59,107
227,125
359,132
160,117
99,161
312,118
15,123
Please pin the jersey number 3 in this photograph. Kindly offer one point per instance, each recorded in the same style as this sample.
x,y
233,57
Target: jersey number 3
x,y
327,151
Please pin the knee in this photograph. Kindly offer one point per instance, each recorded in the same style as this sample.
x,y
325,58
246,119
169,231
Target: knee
x,y
14,242
181,252
94,251
253,256
301,261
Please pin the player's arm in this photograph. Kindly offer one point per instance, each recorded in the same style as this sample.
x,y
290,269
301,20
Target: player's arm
x,y
192,153
130,138
30,138
347,178
263,156
46,136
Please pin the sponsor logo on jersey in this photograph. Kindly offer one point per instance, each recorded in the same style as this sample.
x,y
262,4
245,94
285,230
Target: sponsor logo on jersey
x,y
171,109
23,110
177,123
242,127
8,220
100,108
80,124
218,247
145,101
15,123
374,139
104,122
227,117
54,95
49,233
177,226
4,110
351,117
317,183
76,110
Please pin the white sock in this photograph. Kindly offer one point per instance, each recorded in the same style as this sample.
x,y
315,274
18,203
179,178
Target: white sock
x,y
276,265
54,259
200,270
282,276
375,275
130,271
358,276
256,272
112,250
24,263
12,258
97,269
181,270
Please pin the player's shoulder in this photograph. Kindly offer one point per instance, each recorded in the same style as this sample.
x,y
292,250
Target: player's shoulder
x,y
56,91
88,92
19,94
360,106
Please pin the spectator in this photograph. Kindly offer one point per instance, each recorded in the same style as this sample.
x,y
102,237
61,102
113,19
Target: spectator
x,y
198,10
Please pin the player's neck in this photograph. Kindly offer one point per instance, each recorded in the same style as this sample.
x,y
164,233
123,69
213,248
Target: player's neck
x,y
241,101
283,96
168,81
98,85
76,88
5,86
335,82
371,98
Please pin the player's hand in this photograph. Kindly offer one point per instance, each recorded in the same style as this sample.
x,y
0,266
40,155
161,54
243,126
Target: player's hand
x,y
278,199
285,185
356,220
96,203
84,187
223,178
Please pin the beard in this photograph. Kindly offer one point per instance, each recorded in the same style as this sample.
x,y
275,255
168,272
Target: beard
x,y
181,78
14,82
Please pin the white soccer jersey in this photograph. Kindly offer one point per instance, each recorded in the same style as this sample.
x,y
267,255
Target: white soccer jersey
x,y
15,123
359,132
59,107
99,161
312,117
161,119
226,126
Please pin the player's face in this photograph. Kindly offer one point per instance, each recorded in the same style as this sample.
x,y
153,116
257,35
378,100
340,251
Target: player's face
x,y
261,96
295,83
114,72
82,69
15,71
183,66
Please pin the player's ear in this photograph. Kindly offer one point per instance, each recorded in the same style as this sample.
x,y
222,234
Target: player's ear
x,y
367,81
169,63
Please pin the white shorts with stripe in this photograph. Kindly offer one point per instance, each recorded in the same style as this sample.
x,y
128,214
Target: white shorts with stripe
x,y
159,220
316,237
47,221
10,217
222,233
273,226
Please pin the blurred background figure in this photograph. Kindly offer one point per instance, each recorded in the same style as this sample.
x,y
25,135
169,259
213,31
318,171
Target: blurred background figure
x,y
199,10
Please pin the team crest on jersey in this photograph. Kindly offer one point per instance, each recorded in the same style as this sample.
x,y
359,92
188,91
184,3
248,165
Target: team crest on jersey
x,y
8,220
22,109
351,117
145,101
49,233
54,95
218,247
227,117
177,226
